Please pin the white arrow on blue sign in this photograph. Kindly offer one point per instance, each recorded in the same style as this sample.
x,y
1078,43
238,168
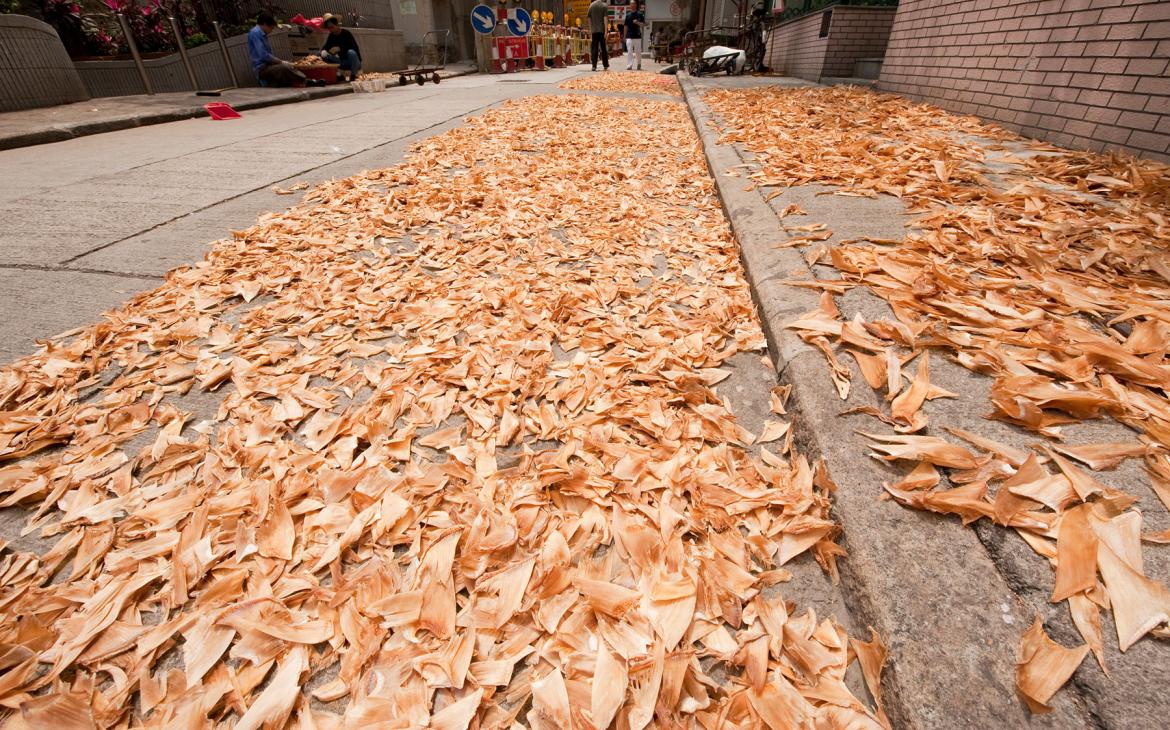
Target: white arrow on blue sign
x,y
483,19
519,21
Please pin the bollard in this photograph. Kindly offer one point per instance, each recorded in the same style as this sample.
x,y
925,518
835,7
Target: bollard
x,y
511,65
496,67
227,59
134,54
183,53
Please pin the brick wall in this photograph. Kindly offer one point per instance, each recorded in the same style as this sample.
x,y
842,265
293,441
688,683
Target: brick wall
x,y
795,48
856,33
1091,74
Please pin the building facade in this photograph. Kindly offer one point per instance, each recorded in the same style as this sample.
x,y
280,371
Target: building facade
x,y
1092,74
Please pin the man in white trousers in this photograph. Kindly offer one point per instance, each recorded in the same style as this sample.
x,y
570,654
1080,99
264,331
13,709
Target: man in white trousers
x,y
635,23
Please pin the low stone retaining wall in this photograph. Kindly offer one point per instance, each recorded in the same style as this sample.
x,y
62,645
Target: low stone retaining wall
x,y
382,50
120,78
35,70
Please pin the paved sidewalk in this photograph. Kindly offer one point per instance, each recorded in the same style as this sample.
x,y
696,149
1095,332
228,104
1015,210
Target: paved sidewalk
x,y
108,114
951,602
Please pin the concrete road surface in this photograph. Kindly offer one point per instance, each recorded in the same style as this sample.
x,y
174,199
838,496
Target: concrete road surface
x,y
91,221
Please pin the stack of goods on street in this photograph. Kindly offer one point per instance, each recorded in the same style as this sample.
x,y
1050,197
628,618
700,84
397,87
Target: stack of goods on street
x,y
315,67
436,448
308,62
632,82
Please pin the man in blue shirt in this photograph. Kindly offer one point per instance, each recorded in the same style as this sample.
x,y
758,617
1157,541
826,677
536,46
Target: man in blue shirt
x,y
635,21
269,69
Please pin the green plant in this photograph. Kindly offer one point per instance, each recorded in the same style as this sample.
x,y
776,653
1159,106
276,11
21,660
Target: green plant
x,y
91,28
196,39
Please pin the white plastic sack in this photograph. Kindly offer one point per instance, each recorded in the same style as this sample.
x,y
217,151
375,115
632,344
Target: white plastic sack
x,y
740,60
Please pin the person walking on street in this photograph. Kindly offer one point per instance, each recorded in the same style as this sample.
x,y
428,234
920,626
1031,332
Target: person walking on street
x,y
270,70
598,12
341,47
635,22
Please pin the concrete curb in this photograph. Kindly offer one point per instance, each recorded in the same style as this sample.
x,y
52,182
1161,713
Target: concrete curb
x,y
60,133
928,587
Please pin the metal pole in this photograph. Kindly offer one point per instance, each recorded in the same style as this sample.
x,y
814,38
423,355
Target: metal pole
x,y
227,59
183,53
134,53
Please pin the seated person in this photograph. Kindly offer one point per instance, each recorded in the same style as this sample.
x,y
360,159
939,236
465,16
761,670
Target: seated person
x,y
340,47
270,70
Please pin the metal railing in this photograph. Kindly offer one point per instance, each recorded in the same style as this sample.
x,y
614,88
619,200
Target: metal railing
x,y
192,79
805,7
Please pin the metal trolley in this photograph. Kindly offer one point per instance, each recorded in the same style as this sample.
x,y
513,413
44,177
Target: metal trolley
x,y
696,42
750,37
432,59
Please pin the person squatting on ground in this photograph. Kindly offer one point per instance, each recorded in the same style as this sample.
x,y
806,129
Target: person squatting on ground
x,y
270,70
340,47
635,22
598,13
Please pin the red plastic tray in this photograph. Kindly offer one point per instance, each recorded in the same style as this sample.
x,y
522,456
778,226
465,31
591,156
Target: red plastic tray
x,y
220,111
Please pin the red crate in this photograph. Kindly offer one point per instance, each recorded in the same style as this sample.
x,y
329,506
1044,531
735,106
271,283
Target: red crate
x,y
328,74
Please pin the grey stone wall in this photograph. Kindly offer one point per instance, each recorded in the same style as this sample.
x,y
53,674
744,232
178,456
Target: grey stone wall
x,y
120,78
382,50
371,13
35,70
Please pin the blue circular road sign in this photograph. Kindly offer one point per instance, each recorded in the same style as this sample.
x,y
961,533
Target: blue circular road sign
x,y
483,19
519,21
